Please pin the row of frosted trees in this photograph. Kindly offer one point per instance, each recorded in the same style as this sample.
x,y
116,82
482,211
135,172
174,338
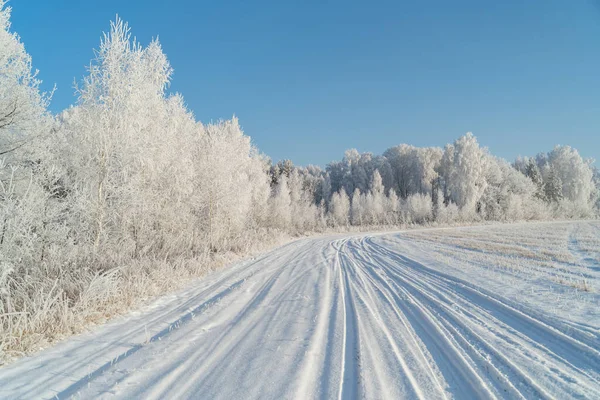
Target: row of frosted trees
x,y
125,191
462,182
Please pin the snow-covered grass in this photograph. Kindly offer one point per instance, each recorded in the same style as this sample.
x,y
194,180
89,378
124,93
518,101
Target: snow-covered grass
x,y
53,303
552,265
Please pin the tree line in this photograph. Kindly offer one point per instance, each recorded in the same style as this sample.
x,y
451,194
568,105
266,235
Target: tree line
x,y
461,182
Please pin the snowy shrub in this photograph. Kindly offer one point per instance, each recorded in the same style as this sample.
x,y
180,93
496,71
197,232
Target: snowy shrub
x,y
447,214
340,208
419,208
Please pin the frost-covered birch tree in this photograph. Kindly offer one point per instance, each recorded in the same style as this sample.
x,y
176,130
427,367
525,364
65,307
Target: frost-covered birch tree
x,y
465,172
23,114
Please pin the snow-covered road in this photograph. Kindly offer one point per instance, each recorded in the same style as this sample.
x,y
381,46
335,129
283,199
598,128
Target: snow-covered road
x,y
363,316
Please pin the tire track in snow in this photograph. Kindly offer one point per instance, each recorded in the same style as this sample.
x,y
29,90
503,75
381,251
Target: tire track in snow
x,y
463,362
223,346
349,379
549,345
462,379
500,309
371,325
76,386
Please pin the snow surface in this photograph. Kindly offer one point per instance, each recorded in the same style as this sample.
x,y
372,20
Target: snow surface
x,y
505,311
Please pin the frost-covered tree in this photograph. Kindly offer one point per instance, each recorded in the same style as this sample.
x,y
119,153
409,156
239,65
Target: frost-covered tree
x,y
508,193
445,213
313,184
116,139
403,164
445,167
419,208
427,165
304,209
30,218
521,163
552,185
283,167
377,199
575,174
437,200
281,205
465,172
326,191
414,169
392,208
532,171
348,173
231,182
359,166
340,208
23,114
381,164
357,208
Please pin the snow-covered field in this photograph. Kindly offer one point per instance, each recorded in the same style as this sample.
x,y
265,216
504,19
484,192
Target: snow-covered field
x,y
504,311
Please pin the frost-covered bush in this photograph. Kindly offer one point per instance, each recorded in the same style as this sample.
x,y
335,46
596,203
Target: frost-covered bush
x,y
340,208
445,213
419,208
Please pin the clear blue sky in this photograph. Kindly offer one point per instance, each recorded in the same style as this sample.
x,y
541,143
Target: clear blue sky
x,y
309,79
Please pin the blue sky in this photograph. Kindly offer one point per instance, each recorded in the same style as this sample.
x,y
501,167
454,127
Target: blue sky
x,y
309,79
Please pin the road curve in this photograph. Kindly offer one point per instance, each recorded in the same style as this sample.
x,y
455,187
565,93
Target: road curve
x,y
331,318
